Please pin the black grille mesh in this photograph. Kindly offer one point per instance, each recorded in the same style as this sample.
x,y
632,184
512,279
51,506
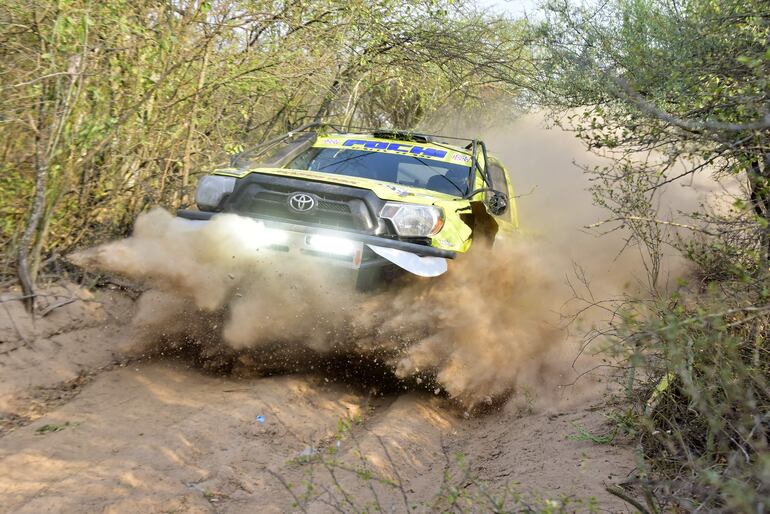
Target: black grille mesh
x,y
331,212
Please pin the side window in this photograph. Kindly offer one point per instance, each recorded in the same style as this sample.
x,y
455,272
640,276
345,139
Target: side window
x,y
497,175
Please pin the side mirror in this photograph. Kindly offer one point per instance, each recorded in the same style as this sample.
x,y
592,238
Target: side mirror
x,y
497,203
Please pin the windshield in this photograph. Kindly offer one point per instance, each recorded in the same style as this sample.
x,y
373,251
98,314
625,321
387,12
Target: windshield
x,y
406,170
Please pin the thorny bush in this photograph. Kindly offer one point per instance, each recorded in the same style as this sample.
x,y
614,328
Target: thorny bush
x,y
698,374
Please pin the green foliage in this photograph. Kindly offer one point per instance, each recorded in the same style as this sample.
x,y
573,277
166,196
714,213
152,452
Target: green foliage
x,y
622,424
333,481
666,90
697,59
704,429
54,427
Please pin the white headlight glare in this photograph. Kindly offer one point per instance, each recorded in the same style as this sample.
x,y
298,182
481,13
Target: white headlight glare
x,y
272,236
211,189
328,244
413,220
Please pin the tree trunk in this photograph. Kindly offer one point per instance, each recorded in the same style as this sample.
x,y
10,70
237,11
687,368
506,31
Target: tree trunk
x,y
38,208
760,200
43,227
187,159
325,107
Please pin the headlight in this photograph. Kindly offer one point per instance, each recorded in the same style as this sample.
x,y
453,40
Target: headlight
x,y
211,189
413,220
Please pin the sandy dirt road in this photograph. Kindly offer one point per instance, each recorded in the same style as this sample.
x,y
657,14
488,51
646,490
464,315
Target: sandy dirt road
x,y
162,435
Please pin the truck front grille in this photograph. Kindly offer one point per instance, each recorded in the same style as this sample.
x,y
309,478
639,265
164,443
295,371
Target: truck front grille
x,y
329,212
339,206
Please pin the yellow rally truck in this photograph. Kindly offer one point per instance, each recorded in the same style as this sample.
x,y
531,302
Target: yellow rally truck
x,y
376,201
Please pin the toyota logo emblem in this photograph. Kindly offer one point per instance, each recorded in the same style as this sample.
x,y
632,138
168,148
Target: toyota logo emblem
x,y
302,202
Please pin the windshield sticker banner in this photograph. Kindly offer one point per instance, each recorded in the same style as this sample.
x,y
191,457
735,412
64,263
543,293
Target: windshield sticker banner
x,y
396,147
423,151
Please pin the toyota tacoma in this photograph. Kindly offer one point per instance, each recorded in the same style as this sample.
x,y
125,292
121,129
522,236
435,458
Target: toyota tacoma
x,y
377,202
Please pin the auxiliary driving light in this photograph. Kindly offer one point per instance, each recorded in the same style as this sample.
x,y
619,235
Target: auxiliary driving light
x,y
273,236
253,233
330,244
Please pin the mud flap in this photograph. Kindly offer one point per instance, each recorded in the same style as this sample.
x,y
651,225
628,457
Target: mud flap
x,y
422,266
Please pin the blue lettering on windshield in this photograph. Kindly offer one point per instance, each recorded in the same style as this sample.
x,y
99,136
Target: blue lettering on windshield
x,y
396,147
354,142
430,152
427,152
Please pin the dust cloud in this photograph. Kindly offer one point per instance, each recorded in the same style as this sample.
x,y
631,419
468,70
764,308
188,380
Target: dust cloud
x,y
493,325
476,330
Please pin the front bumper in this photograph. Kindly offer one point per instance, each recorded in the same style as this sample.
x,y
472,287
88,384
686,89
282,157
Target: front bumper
x,y
417,249
365,250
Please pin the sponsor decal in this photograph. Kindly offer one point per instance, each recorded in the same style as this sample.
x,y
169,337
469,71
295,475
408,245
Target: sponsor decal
x,y
396,147
461,157
399,191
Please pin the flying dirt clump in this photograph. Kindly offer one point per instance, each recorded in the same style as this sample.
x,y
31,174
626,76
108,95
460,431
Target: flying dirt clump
x,y
483,329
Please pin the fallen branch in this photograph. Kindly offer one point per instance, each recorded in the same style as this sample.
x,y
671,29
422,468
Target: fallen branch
x,y
620,493
55,306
